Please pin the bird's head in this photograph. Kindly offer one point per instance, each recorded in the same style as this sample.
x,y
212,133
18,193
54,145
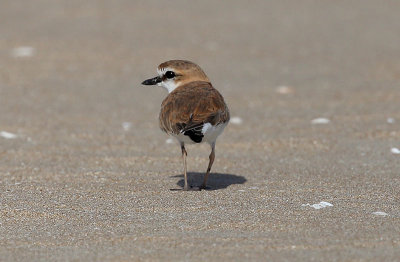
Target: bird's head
x,y
175,73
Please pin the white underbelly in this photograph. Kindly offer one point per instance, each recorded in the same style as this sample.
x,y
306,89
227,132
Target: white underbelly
x,y
212,132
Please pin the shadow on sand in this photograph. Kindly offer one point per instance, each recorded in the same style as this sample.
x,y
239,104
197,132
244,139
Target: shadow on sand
x,y
215,180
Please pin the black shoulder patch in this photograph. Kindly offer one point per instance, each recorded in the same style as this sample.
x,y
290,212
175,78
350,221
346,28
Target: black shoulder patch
x,y
195,135
193,131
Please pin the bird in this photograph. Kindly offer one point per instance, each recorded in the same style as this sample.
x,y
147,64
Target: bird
x,y
193,112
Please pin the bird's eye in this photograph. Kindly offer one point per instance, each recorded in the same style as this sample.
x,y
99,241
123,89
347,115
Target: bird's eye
x,y
170,74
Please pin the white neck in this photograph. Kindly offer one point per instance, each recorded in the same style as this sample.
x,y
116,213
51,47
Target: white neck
x,y
170,85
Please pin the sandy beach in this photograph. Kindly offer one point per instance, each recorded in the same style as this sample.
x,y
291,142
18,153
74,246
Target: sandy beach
x,y
308,170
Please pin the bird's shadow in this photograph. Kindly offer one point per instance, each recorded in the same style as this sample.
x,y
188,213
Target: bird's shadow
x,y
215,180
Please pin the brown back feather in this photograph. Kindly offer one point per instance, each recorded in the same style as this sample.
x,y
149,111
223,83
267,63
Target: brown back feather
x,y
190,105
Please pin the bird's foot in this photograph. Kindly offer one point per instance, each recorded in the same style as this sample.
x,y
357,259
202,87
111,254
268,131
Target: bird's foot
x,y
203,187
190,188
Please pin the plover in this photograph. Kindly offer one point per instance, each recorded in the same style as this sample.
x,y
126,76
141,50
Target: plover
x,y
193,112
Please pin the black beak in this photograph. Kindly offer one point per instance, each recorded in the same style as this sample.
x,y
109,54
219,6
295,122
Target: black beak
x,y
152,81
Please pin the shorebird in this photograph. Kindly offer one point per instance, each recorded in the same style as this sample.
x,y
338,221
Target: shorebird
x,y
193,111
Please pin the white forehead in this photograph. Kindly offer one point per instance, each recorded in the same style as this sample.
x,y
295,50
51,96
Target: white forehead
x,y
162,71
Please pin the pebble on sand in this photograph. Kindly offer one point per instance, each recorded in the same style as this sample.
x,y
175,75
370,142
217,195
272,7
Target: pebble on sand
x,y
319,205
236,120
380,213
284,90
320,120
169,141
7,135
23,51
390,120
126,125
395,150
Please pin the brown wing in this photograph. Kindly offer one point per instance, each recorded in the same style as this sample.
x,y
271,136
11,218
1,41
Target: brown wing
x,y
192,105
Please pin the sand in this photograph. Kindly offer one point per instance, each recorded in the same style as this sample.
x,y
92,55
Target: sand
x,y
86,174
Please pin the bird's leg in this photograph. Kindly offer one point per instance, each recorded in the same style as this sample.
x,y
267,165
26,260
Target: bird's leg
x,y
184,154
211,157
